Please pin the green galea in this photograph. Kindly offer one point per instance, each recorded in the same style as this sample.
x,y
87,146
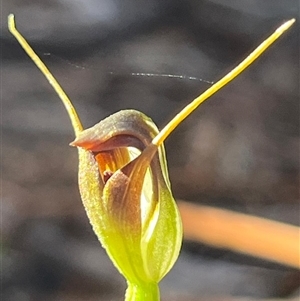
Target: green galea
x,y
125,188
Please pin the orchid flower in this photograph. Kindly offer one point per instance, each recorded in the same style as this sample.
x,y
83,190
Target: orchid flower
x,y
125,189
124,183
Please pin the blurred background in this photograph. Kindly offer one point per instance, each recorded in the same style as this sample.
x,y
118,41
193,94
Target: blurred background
x,y
238,151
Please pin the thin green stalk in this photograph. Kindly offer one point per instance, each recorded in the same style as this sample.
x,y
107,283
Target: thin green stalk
x,y
142,292
76,123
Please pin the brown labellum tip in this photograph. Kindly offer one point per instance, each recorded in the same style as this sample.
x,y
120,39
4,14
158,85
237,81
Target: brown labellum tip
x,y
81,142
73,143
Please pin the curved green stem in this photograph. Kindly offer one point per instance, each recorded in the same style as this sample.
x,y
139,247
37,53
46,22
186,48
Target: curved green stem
x,y
142,292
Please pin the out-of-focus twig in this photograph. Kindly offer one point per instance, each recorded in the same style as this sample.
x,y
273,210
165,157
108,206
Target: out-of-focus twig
x,y
243,233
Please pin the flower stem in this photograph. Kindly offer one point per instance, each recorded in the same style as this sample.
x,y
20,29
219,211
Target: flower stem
x,y
142,292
